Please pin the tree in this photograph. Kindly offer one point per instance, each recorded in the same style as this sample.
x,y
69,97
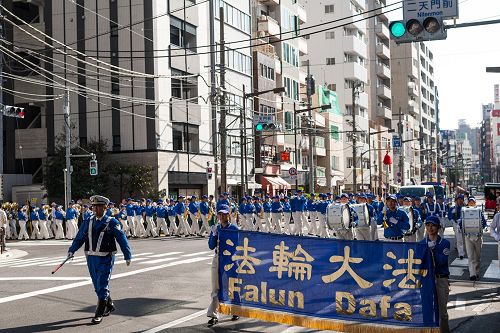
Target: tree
x,y
134,179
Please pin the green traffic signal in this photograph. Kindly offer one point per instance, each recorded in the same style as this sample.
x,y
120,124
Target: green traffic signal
x,y
397,29
259,127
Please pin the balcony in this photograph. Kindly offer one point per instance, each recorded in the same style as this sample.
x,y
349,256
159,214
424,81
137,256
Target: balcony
x,y
413,90
319,119
302,46
355,71
355,45
382,31
383,71
413,109
33,142
277,65
301,13
380,12
302,77
270,26
177,57
383,51
270,3
319,151
182,111
361,99
384,112
384,92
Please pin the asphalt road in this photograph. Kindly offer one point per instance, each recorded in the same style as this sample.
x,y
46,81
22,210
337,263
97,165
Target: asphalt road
x,y
167,287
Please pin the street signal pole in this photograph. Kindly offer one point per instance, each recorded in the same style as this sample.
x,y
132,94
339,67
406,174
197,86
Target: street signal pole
x,y
67,125
222,122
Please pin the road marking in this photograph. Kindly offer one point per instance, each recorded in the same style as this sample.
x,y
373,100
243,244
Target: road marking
x,y
294,329
460,304
456,271
45,278
460,262
481,307
493,271
14,261
164,254
83,283
177,322
41,242
196,254
156,261
51,261
490,243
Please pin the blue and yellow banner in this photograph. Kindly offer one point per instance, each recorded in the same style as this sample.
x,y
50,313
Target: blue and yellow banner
x,y
351,286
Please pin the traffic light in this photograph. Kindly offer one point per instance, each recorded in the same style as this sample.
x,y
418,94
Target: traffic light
x,y
209,172
418,30
13,111
267,127
93,167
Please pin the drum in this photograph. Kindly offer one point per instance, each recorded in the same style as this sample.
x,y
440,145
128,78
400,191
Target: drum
x,y
471,220
363,214
338,216
411,219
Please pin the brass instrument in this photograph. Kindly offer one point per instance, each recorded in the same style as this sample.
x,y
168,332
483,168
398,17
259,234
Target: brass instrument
x,y
6,206
78,208
115,211
14,206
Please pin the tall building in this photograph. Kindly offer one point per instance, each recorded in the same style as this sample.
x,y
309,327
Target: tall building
x,y
139,78
338,61
486,156
414,110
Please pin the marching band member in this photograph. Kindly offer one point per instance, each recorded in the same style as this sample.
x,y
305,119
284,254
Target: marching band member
x,y
131,216
423,215
42,214
53,225
440,251
171,214
373,212
71,218
266,205
442,211
249,213
204,214
287,215
347,233
363,231
160,218
100,234
432,208
312,209
149,210
300,213
193,209
59,218
234,211
121,217
35,221
321,208
394,220
495,230
259,214
411,235
11,215
140,231
181,211
276,210
296,215
224,200
455,214
21,216
473,242
242,213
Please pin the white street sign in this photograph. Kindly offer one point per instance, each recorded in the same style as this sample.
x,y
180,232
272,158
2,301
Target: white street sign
x,y
446,9
292,172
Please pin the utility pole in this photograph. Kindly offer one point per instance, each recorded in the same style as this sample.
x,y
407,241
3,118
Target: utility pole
x,y
222,123
401,150
354,137
67,123
310,89
243,162
1,94
295,123
213,91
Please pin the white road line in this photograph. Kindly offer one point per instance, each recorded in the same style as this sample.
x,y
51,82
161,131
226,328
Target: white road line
x,y
481,307
83,283
177,322
460,262
195,254
156,261
294,329
15,261
164,254
37,263
457,271
460,304
39,243
45,278
493,271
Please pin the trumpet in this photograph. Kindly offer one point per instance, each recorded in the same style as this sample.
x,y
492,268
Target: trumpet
x,y
6,206
78,208
14,206
115,211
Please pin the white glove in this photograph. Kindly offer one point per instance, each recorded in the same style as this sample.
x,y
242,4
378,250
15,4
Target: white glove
x,y
128,262
214,230
431,244
393,220
70,255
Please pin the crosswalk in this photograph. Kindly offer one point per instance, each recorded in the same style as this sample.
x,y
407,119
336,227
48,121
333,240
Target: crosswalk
x,y
460,266
142,258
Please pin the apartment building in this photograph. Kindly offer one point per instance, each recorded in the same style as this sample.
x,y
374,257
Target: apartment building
x,y
156,108
338,61
486,156
414,110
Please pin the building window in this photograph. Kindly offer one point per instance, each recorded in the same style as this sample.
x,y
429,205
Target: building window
x,y
290,55
182,34
330,34
266,110
329,9
288,120
334,133
233,16
319,141
335,163
26,11
291,88
186,137
330,61
266,72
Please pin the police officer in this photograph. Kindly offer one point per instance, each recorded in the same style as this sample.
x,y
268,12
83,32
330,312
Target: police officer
x,y
99,234
440,250
473,244
394,220
454,215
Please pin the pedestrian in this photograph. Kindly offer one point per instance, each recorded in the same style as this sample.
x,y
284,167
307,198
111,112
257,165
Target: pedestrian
x,y
440,250
223,212
495,230
100,234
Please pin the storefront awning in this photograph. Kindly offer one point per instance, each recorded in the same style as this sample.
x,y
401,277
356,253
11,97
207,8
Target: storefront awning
x,y
276,182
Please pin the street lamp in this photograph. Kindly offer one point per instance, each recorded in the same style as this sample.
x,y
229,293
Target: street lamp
x,y
295,121
243,136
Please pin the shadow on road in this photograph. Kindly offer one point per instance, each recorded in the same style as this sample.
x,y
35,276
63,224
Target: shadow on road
x,y
49,327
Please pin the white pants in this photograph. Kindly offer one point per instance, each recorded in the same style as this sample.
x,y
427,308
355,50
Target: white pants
x,y
459,237
44,232
297,221
131,225
258,223
151,227
344,234
267,222
195,227
204,225
212,311
48,224
373,230
139,227
183,226
23,233
35,233
473,245
313,227
234,219
71,229
59,229
7,230
410,238
420,233
162,225
276,223
322,228
53,226
243,222
362,233
13,229
287,216
173,226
